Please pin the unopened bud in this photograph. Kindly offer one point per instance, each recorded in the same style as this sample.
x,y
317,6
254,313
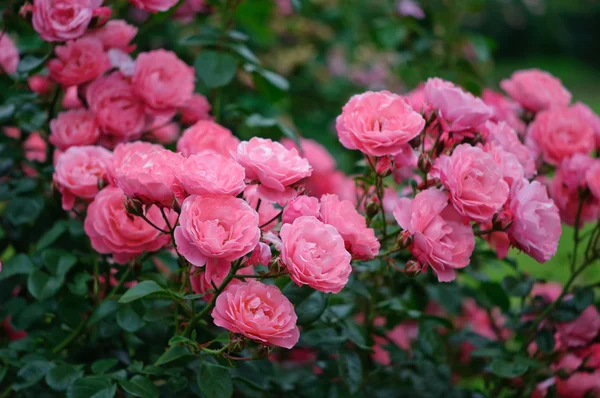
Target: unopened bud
x,y
416,142
134,206
264,351
413,268
424,163
275,266
236,342
372,209
502,220
176,206
101,184
384,166
404,239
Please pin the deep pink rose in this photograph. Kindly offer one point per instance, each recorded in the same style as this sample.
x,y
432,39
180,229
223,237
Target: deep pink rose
x,y
360,240
62,20
505,136
590,117
536,90
154,5
317,155
35,148
474,180
71,99
378,123
118,111
593,179
148,176
113,230
258,311
195,109
536,226
39,84
274,166
116,33
579,385
75,127
208,173
78,61
300,206
162,80
560,133
314,255
207,136
9,54
78,172
441,237
216,227
458,110
504,110
582,330
166,134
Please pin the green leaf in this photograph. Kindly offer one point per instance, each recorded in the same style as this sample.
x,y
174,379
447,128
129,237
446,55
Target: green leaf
x,y
506,369
61,376
29,63
215,381
79,285
58,261
140,387
517,288
103,365
90,386
43,286
128,319
3,370
496,294
179,339
17,265
6,112
140,290
105,308
544,340
172,354
108,392
215,69
20,211
310,309
51,235
274,79
243,51
583,298
32,373
350,369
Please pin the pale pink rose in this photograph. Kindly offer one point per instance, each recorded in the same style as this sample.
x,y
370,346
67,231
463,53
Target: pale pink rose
x,y
333,182
505,136
267,212
207,136
579,385
71,99
504,110
162,80
259,312
275,167
536,90
261,255
216,227
35,148
360,240
378,123
148,176
441,237
118,110
458,110
560,133
592,178
79,171
416,98
317,155
589,117
75,127
113,230
298,207
582,330
9,54
572,171
166,134
536,226
314,255
195,109
512,170
78,61
410,8
116,33
62,20
475,182
39,84
153,5
208,173
123,149
121,61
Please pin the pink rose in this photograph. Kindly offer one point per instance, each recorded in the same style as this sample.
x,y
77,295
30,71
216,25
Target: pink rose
x,y
78,61
579,385
208,173
593,179
166,134
162,81
416,98
113,230
333,182
195,109
123,149
360,240
154,5
71,99
536,90
35,148
474,180
274,166
202,279
62,20
582,330
261,255
207,136
78,172
76,127
314,255
190,8
148,175
503,110
589,117
298,207
549,291
116,33
39,84
9,54
536,226
441,237
317,155
378,123
267,212
118,111
410,8
560,133
216,227
503,135
458,110
258,311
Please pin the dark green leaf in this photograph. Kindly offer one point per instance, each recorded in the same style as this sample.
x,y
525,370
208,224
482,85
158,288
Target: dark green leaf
x,y
79,285
517,288
6,112
274,79
215,381
17,265
172,354
583,298
3,370
108,392
32,373
496,294
140,386
105,308
29,63
566,311
243,51
128,319
104,365
58,261
90,386
215,69
310,309
350,369
506,369
51,235
20,211
61,376
43,286
140,290
544,340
